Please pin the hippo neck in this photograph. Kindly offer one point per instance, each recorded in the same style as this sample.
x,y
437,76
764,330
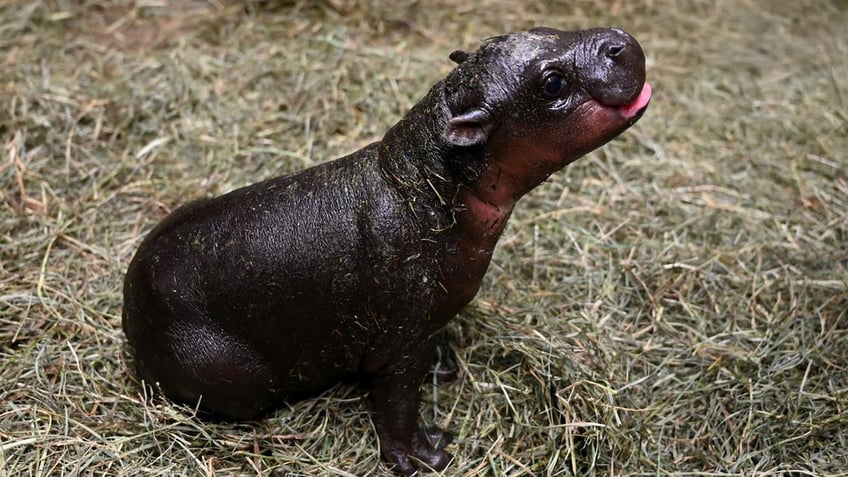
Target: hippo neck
x,y
438,182
443,184
411,157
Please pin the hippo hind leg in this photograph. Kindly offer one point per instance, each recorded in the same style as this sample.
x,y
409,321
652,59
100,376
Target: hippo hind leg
x,y
212,371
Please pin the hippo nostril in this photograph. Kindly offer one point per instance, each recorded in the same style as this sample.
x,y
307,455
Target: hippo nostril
x,y
612,51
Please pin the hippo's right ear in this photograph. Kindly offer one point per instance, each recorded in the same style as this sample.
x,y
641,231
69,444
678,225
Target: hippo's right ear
x,y
469,129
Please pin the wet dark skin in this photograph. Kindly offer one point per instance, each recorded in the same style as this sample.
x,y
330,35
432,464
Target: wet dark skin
x,y
351,268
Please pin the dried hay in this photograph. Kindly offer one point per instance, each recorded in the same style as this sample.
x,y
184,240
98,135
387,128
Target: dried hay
x,y
674,304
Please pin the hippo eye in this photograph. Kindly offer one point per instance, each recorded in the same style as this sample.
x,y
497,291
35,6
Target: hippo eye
x,y
554,84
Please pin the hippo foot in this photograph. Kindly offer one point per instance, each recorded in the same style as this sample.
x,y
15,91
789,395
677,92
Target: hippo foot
x,y
402,459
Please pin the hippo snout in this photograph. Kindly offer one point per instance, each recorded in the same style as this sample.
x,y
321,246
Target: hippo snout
x,y
613,66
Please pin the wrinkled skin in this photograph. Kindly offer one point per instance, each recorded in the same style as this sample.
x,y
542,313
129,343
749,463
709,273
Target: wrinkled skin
x,y
351,268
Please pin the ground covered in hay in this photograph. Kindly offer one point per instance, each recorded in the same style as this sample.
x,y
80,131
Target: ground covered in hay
x,y
674,304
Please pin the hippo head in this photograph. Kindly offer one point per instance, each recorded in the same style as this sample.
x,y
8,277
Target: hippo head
x,y
540,99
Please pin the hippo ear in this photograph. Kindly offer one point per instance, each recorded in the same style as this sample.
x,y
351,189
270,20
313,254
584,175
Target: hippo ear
x,y
459,56
469,129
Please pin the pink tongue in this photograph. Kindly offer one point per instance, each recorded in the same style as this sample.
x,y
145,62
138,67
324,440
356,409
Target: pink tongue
x,y
630,110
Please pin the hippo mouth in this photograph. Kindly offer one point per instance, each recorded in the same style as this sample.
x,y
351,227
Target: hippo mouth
x,y
633,108
596,123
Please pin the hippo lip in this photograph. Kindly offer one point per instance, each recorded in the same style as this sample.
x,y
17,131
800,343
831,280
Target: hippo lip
x,y
637,105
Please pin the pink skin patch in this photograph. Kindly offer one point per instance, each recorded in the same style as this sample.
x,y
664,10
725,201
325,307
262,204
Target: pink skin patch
x,y
596,124
630,110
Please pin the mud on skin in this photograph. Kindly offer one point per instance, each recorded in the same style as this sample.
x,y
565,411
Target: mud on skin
x,y
351,268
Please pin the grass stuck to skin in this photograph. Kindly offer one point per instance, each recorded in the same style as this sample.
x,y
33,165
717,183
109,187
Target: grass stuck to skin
x,y
673,304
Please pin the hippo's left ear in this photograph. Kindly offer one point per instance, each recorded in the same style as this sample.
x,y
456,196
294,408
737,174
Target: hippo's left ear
x,y
469,129
459,56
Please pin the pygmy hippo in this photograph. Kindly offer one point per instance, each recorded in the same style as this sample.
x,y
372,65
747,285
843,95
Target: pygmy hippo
x,y
350,268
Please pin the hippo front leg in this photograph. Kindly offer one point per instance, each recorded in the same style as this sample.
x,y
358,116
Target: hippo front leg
x,y
395,399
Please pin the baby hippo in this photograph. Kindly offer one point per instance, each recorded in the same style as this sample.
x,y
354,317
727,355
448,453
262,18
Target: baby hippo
x,y
350,269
